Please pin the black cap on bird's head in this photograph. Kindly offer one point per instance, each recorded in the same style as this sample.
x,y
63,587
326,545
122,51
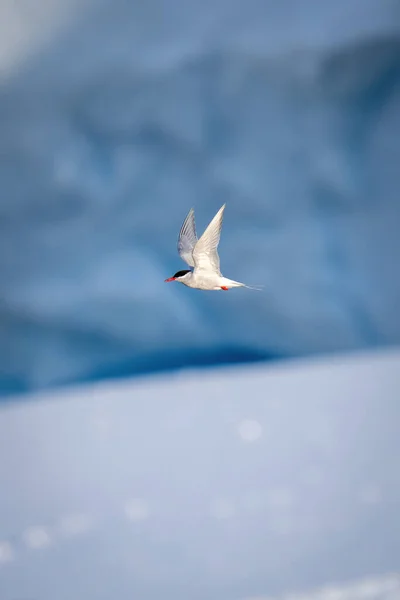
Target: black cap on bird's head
x,y
178,275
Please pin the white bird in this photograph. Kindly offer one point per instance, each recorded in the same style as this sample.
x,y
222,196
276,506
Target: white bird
x,y
202,255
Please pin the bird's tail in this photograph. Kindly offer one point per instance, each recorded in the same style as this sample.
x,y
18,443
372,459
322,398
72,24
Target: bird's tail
x,y
231,283
258,288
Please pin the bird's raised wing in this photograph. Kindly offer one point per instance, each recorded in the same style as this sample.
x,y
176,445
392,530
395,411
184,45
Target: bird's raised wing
x,y
187,239
205,254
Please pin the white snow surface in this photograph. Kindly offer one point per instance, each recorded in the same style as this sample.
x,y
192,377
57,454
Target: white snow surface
x,y
116,117
246,483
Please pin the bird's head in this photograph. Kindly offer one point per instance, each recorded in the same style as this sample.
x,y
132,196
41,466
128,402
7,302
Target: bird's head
x,y
179,276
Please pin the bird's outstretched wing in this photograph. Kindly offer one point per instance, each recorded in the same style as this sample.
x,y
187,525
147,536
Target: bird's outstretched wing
x,y
205,253
187,239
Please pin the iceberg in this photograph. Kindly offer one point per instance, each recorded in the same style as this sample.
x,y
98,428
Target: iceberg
x,y
117,117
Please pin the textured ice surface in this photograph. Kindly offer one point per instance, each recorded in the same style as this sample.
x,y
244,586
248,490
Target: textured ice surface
x,y
115,125
252,482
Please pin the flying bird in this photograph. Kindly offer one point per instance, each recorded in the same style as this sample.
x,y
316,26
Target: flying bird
x,y
202,255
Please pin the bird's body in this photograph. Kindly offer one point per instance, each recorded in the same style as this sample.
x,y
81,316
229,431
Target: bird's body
x,y
202,255
207,281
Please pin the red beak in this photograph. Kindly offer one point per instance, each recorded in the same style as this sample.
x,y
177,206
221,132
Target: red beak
x,y
170,279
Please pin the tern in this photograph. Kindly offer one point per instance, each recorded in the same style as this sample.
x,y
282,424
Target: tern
x,y
202,255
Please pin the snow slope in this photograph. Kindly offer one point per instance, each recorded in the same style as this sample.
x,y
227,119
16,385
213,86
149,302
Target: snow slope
x,y
120,120
243,483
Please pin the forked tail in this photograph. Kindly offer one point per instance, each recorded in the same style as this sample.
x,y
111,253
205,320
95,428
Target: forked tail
x,y
258,288
232,284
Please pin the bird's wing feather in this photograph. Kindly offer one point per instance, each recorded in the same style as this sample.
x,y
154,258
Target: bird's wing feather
x,y
187,239
205,253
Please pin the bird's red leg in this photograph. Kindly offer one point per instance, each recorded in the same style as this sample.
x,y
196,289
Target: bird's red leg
x,y
224,288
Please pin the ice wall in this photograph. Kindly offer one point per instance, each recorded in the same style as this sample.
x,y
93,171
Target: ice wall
x,y
115,125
